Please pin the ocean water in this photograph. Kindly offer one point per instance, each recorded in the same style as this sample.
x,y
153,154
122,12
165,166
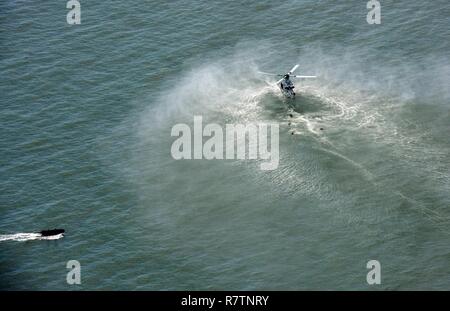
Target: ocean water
x,y
86,113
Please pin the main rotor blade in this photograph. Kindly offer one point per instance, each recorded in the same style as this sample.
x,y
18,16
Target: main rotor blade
x,y
293,69
279,80
270,74
305,77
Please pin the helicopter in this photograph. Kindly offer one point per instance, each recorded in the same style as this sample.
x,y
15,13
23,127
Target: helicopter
x,y
285,84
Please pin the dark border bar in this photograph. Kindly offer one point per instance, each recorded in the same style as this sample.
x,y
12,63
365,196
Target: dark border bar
x,y
222,301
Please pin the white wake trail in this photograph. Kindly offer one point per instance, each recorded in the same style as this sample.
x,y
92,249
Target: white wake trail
x,y
20,237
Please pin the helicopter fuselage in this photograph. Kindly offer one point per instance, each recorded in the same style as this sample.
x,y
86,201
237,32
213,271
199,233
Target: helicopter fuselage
x,y
287,88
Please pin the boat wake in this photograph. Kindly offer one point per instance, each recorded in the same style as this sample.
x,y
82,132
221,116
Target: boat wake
x,y
20,237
